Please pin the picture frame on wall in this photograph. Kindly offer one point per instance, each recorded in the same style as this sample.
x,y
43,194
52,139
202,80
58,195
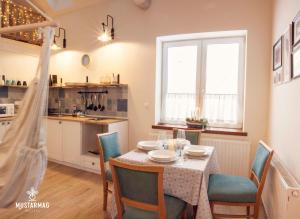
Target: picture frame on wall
x,y
296,62
287,55
296,29
277,55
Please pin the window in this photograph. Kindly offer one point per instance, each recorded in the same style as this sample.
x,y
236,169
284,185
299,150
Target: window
x,y
207,74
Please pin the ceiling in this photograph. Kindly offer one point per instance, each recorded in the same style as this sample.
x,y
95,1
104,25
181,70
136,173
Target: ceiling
x,y
59,7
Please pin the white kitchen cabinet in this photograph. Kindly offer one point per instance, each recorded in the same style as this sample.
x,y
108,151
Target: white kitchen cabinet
x,y
122,129
71,142
3,127
54,139
64,141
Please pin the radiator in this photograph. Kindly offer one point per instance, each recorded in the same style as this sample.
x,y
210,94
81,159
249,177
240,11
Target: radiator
x,y
233,155
281,195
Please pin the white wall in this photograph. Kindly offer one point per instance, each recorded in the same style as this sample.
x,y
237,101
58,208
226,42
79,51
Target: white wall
x,y
18,61
132,54
284,122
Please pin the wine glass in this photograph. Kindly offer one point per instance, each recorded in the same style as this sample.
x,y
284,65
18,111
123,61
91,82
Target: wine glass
x,y
180,141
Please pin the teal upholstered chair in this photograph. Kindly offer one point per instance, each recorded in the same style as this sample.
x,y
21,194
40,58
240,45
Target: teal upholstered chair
x,y
192,135
241,191
139,193
108,148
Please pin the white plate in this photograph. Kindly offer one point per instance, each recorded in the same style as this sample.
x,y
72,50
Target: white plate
x,y
163,161
148,149
195,151
162,155
148,145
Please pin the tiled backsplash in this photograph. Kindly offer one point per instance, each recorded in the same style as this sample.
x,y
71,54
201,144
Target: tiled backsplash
x,y
115,102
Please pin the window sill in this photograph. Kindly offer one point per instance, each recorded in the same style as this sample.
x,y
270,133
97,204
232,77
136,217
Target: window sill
x,y
210,130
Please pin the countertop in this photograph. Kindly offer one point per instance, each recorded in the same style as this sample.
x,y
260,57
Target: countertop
x,y
89,120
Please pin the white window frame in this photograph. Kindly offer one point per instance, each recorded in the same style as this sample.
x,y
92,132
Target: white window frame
x,y
202,40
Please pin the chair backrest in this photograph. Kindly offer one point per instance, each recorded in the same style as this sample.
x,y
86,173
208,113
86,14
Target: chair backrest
x,y
109,144
138,186
261,166
192,135
108,148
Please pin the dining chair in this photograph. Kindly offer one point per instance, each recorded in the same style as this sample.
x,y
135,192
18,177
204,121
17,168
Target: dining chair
x,y
108,148
241,191
139,193
192,135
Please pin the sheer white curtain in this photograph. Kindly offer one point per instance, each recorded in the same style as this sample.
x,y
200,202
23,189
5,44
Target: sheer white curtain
x,y
222,110
178,107
23,153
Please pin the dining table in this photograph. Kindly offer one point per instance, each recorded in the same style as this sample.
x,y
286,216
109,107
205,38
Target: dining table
x,y
186,178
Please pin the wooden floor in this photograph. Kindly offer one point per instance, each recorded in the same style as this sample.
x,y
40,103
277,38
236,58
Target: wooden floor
x,y
72,194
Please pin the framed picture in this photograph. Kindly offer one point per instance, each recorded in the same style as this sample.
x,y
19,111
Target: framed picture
x,y
287,55
296,62
277,54
296,29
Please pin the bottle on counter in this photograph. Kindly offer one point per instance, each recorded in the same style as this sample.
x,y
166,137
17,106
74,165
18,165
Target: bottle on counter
x,y
50,81
2,80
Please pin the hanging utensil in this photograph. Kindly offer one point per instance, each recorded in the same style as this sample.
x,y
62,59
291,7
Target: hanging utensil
x,y
95,105
102,107
99,103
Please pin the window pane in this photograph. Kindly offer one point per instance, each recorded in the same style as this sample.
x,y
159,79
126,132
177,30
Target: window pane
x,y
182,67
221,93
222,65
181,84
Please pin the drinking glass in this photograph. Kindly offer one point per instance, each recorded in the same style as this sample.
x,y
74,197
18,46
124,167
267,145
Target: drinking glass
x,y
180,141
162,140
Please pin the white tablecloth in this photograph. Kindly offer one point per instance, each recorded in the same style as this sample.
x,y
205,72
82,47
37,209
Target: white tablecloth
x,y
186,179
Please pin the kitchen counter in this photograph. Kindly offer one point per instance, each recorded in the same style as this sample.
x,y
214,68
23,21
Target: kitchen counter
x,y
89,120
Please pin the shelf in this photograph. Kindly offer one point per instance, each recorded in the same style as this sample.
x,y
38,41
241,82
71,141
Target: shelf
x,y
14,86
89,85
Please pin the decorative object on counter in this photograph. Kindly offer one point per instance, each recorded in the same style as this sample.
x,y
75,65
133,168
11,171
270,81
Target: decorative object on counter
x,y
54,79
19,83
8,82
2,81
296,29
87,79
107,35
55,45
118,79
85,60
61,81
13,82
24,83
50,81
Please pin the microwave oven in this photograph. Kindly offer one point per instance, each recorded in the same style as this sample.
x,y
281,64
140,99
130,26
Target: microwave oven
x,y
7,109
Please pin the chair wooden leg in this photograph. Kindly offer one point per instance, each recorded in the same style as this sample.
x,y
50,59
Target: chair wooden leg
x,y
105,194
248,212
212,208
256,211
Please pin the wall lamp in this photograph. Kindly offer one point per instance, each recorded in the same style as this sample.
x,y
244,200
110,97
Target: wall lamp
x,y
106,34
55,46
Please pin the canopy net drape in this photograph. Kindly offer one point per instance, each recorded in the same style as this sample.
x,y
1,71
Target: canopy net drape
x,y
23,153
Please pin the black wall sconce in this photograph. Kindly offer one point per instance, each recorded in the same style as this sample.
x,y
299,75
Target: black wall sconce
x,y
55,46
106,35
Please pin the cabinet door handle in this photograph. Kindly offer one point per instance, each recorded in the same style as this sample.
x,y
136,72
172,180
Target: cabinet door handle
x,y
59,122
93,163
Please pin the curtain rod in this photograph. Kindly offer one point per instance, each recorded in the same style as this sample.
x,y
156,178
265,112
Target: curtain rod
x,y
28,27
